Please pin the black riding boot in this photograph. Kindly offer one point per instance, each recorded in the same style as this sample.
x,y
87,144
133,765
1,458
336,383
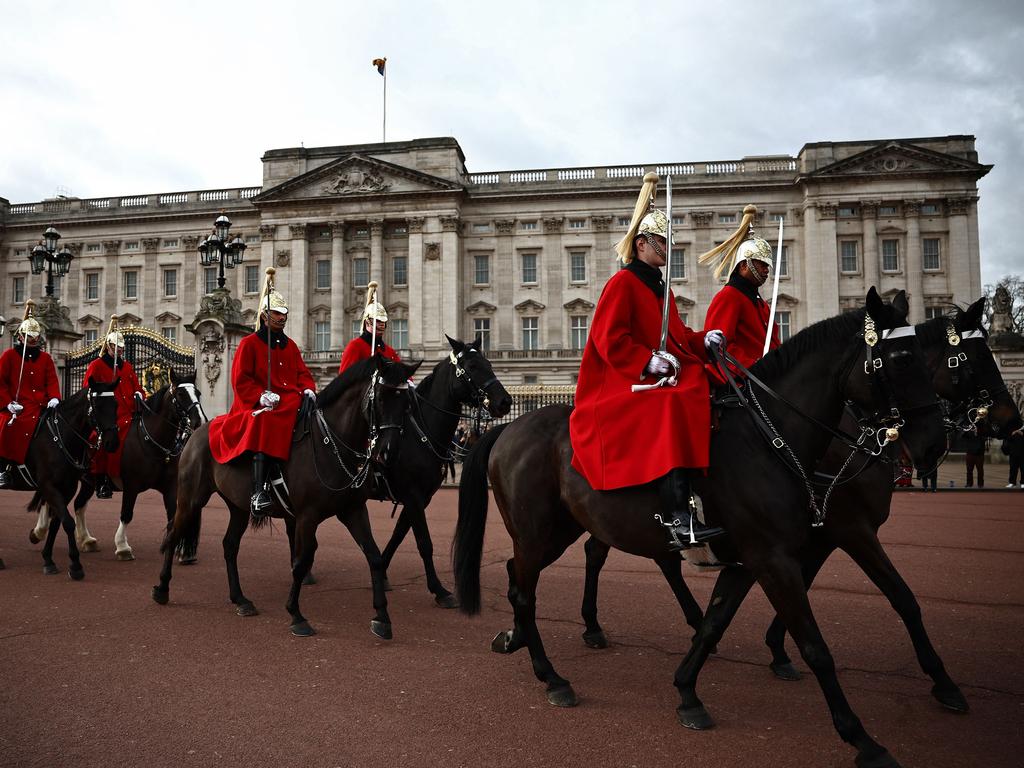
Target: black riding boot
x,y
104,487
6,475
679,517
261,502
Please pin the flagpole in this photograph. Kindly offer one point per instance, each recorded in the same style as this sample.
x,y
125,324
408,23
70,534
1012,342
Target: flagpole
x,y
384,129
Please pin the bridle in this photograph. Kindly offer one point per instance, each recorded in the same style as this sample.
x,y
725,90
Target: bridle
x,y
182,421
971,410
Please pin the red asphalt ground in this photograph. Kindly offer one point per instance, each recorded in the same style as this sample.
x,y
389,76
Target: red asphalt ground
x,y
96,674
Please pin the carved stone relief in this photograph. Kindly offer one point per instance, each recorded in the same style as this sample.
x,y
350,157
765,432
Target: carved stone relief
x,y
211,351
284,258
357,180
431,251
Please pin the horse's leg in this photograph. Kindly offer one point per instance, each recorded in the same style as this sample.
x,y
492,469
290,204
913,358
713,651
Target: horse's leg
x,y
782,582
49,567
731,588
186,554
358,523
672,568
86,541
402,526
442,596
867,552
289,526
38,533
123,550
597,554
232,541
75,570
303,551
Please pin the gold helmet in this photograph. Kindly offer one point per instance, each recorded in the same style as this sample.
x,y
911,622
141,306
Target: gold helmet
x,y
116,338
374,310
270,298
741,245
647,220
29,325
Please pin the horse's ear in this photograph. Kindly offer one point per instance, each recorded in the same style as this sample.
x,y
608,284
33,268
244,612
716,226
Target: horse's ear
x,y
875,306
89,383
900,304
970,318
414,366
456,345
477,343
174,378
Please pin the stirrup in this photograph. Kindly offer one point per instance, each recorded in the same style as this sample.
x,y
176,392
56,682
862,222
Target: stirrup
x,y
7,479
683,535
260,503
105,489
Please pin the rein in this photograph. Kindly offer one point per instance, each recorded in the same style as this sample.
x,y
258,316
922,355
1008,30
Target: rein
x,y
53,419
182,427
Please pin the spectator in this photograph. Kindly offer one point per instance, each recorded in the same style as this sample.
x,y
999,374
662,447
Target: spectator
x,y
975,446
1013,448
932,475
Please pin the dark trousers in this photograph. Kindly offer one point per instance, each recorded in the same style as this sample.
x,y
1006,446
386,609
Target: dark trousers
x,y
975,460
931,477
1015,471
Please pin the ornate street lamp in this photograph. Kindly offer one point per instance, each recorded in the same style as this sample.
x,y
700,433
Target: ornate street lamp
x,y
46,256
218,249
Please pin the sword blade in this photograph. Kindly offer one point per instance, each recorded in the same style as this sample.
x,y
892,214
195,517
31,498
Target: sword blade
x,y
775,293
668,265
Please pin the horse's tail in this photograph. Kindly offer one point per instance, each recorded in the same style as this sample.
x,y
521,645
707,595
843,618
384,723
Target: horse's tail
x,y
184,538
36,503
467,548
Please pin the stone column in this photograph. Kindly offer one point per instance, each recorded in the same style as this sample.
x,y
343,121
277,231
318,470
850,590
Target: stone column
x,y
604,254
451,296
218,330
377,257
869,212
150,279
705,286
191,272
73,278
957,257
295,285
339,334
416,308
268,234
111,280
552,275
914,267
822,283
974,252
504,279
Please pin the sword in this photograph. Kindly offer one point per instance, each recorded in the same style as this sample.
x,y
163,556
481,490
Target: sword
x,y
663,341
775,294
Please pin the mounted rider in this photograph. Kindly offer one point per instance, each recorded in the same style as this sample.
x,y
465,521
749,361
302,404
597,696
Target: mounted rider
x,y
738,309
111,366
269,380
625,438
28,384
371,340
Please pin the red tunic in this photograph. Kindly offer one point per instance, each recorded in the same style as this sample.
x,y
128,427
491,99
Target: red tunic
x,y
359,349
744,324
38,387
238,430
101,369
621,438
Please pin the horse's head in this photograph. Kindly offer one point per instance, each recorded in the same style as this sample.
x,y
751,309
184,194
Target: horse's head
x,y
385,406
187,400
966,374
890,381
103,412
475,382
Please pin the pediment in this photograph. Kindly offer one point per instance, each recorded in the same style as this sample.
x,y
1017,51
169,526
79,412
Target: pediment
x,y
529,306
578,305
481,308
319,309
789,301
128,319
897,158
355,176
168,317
398,306
89,320
891,229
684,301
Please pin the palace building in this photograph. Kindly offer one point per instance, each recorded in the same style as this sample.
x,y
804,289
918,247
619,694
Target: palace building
x,y
518,257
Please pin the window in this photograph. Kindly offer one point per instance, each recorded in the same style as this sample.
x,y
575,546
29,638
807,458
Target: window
x,y
481,269
252,278
321,335
578,267
252,239
92,248
776,217
783,265
678,265
323,275
887,210
58,285
360,272
727,218
624,221
399,229
847,212
170,243
933,312
890,255
170,282
577,223
131,284
91,334
362,233
18,290
531,332
782,320
482,328
170,332
486,227
399,333
132,246
92,286
400,270
578,331
529,267
530,379
848,256
929,209
209,280
930,253
356,328
528,225
685,317
678,220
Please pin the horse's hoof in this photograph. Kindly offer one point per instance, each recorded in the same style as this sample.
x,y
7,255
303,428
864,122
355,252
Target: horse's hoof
x,y
89,545
786,671
447,600
595,639
187,559
50,569
381,629
951,698
2,566
160,596
562,696
696,718
247,609
309,580
76,572
33,538
386,584
502,643
124,556
882,760
303,629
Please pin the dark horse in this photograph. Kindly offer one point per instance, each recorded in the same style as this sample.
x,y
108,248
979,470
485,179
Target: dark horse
x,y
59,453
546,505
160,428
325,476
963,373
465,377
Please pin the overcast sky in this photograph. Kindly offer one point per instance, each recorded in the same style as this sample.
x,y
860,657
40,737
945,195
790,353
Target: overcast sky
x,y
119,98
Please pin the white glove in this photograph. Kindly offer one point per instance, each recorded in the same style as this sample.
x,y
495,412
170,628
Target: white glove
x,y
309,393
715,337
662,364
54,402
270,399
15,408
139,396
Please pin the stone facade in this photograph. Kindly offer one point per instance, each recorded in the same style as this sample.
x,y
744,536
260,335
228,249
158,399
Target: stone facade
x,y
521,255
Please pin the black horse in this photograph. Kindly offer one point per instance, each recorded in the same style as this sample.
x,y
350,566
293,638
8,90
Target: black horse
x,y
160,427
60,451
326,472
546,505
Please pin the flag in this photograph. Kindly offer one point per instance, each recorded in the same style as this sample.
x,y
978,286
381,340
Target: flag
x,y
379,64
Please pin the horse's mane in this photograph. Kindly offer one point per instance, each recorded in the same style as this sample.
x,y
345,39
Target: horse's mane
x,y
358,373
836,331
156,400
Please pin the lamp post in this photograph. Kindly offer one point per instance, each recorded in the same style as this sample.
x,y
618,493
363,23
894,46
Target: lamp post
x,y
217,249
46,256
